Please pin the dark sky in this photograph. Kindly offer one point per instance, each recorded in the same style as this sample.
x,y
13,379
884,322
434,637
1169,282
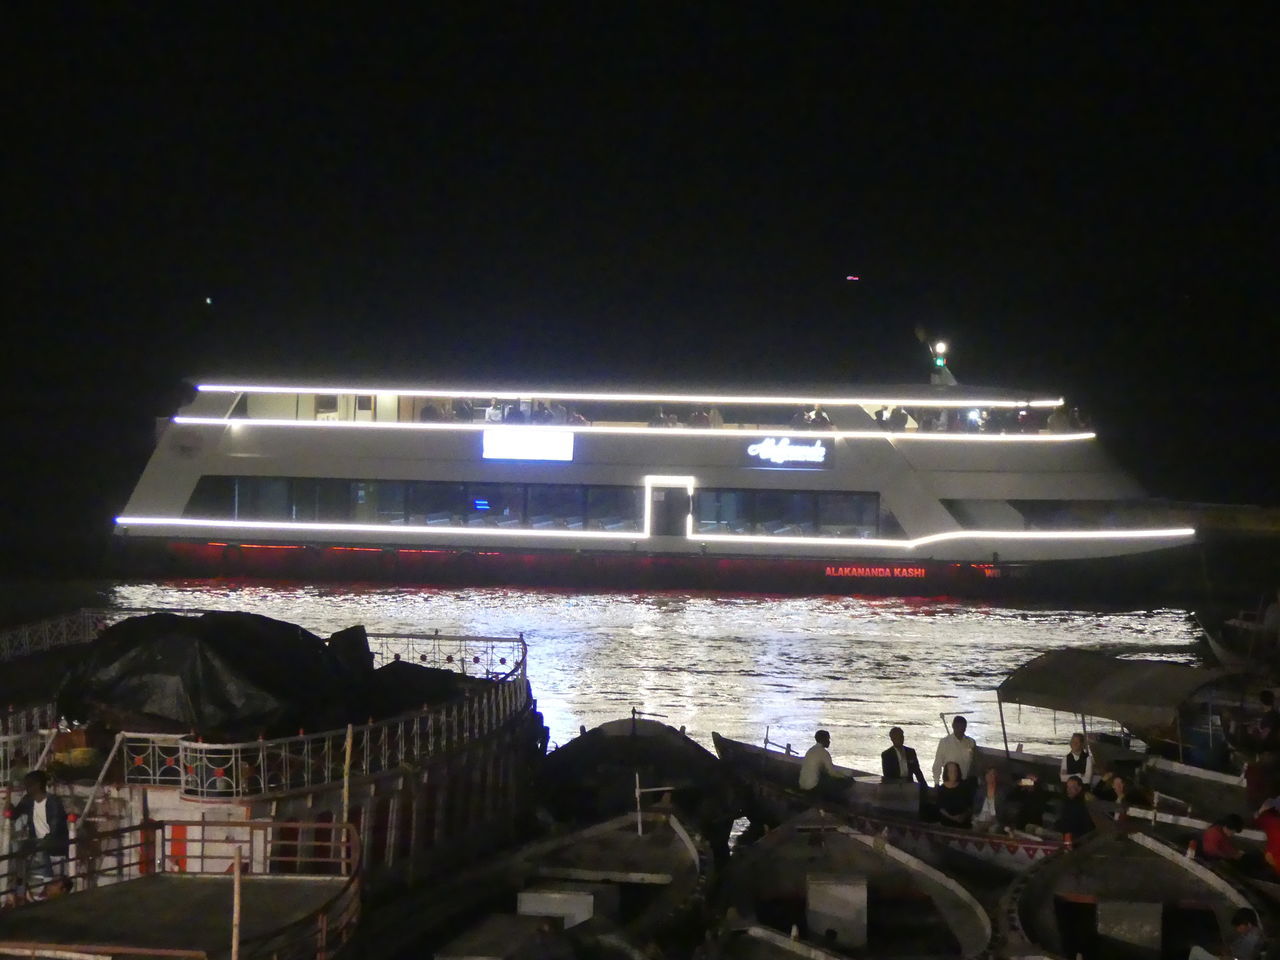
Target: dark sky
x,y
1081,198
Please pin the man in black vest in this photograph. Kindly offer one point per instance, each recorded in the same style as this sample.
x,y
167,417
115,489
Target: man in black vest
x,y
899,762
1077,763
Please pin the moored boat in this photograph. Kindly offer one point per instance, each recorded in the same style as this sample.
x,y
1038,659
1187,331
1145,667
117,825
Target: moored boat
x,y
872,805
598,773
1181,714
1119,895
633,882
836,890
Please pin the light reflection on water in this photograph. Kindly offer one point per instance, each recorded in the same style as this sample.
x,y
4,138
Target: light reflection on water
x,y
731,663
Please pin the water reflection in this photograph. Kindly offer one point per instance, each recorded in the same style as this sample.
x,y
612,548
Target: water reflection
x,y
735,664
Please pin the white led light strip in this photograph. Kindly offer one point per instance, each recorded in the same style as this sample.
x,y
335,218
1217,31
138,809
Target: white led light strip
x,y
987,535
658,431
630,397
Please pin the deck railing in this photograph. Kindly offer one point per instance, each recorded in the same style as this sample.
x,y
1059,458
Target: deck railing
x,y
236,770
318,851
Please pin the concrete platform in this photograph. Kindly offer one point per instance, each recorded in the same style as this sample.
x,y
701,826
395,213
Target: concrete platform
x,y
166,912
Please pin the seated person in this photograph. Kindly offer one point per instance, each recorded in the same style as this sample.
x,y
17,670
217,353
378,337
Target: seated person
x,y
990,809
817,773
1243,943
954,797
1078,762
899,762
1074,817
1216,842
1026,803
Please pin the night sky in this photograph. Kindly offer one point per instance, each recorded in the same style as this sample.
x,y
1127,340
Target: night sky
x,y
1080,198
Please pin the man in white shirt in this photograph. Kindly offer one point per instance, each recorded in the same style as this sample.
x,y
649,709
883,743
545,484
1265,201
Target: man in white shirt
x,y
493,412
955,746
817,765
46,842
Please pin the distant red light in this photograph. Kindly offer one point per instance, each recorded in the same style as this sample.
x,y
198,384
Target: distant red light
x,y
853,278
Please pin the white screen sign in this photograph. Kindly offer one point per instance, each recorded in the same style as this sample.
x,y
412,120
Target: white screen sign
x,y
514,443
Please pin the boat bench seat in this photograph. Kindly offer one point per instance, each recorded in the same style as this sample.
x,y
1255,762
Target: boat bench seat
x,y
1135,924
836,908
573,903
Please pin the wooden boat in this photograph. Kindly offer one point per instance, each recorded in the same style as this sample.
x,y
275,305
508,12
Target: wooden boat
x,y
836,889
595,776
1178,711
1119,895
885,808
629,882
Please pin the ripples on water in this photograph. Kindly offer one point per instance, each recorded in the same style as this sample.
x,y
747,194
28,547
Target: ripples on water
x,y
735,664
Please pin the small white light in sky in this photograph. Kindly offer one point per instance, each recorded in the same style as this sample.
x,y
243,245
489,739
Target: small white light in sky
x,y
940,347
853,278
208,301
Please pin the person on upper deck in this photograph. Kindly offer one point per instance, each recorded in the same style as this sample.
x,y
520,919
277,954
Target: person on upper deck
x,y
817,772
818,419
801,419
700,418
541,413
659,419
955,746
1077,763
899,762
897,421
493,412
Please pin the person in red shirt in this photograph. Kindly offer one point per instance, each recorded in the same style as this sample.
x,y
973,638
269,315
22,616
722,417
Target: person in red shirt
x,y
1216,842
1268,821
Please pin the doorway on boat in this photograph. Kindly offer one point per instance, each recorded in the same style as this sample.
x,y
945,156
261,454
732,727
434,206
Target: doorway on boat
x,y
670,511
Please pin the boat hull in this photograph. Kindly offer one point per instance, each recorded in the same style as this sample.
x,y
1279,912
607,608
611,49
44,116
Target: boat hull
x,y
1169,573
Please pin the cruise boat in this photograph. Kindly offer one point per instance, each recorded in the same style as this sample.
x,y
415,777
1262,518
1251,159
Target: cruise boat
x,y
927,489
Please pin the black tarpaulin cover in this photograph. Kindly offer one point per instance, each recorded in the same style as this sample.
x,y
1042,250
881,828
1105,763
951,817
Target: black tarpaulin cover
x,y
224,676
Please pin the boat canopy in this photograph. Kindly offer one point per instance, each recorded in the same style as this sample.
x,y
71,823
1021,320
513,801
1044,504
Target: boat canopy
x,y
1139,694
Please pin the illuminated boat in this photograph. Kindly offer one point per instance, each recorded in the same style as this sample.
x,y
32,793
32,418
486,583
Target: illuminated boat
x,y
918,490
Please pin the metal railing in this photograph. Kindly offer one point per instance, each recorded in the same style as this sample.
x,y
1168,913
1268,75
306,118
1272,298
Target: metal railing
x,y
315,851
222,771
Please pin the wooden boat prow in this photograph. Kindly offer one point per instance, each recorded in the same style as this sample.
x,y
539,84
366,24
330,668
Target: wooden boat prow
x,y
848,891
1129,891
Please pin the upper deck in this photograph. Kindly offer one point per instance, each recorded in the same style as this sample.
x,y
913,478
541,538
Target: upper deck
x,y
919,410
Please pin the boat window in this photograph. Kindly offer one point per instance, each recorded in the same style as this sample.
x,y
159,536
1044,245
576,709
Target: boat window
x,y
848,514
263,498
557,506
722,511
784,513
615,508
494,505
326,406
435,504
212,499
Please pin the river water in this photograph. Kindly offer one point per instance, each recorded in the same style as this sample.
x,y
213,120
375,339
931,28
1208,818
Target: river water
x,y
737,664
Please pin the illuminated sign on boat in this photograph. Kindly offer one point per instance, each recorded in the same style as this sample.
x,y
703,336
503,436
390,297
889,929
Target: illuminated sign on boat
x,y
518,443
790,453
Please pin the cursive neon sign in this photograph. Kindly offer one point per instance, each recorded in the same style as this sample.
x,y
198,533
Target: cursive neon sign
x,y
781,450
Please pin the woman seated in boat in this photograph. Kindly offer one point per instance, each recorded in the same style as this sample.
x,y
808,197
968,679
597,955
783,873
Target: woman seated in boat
x,y
990,807
1027,801
1116,789
955,797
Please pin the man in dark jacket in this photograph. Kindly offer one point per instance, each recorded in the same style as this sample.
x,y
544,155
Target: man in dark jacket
x,y
899,762
1074,817
47,836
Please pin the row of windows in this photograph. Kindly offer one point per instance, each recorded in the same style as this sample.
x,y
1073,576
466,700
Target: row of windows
x,y
534,505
